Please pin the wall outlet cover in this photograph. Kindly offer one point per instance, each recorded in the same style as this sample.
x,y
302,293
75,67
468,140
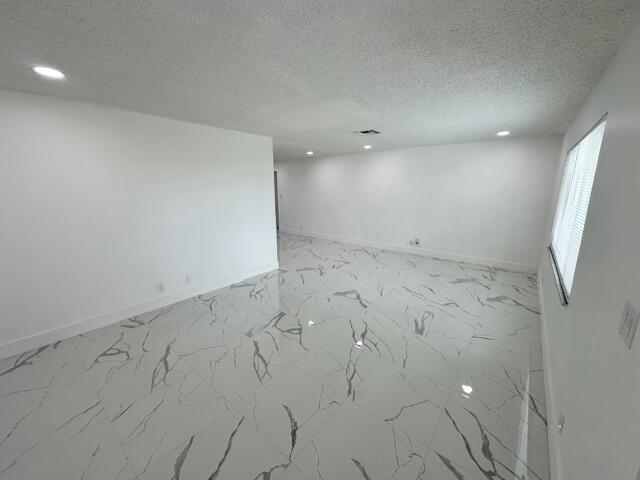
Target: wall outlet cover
x,y
629,324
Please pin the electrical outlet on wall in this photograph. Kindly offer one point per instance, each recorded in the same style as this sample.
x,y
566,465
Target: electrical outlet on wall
x,y
629,324
160,287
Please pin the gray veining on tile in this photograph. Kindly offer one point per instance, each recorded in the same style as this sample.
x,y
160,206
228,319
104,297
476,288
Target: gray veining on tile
x,y
93,454
47,370
403,399
33,421
153,426
228,448
357,444
439,467
291,409
346,362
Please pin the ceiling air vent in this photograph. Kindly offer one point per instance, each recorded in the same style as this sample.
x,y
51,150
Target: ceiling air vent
x,y
368,132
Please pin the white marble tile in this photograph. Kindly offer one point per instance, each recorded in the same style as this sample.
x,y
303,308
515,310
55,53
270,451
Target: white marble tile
x,y
293,473
253,320
508,331
32,421
478,441
398,314
463,308
340,363
439,467
204,343
256,292
403,399
228,448
312,331
218,305
329,341
513,357
514,299
93,454
351,301
153,426
46,369
117,342
238,365
307,277
356,444
289,410
176,319
536,385
302,308
292,340
121,383
435,325
505,391
437,361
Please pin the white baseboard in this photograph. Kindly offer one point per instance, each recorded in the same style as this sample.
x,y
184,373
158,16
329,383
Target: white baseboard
x,y
425,252
552,431
40,339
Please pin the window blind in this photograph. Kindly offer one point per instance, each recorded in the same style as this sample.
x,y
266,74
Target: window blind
x,y
573,203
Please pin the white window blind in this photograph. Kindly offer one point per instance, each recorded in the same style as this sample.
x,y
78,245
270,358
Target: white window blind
x,y
573,203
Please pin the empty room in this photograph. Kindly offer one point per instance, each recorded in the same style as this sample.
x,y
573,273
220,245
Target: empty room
x,y
319,240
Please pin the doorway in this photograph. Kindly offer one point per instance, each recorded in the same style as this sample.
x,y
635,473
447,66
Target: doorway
x,y
275,189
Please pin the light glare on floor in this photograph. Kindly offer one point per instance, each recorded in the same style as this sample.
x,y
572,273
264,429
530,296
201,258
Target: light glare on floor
x,y
309,153
367,147
49,72
503,133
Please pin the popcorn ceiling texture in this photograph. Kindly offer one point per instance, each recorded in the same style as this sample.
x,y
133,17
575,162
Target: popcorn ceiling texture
x,y
310,72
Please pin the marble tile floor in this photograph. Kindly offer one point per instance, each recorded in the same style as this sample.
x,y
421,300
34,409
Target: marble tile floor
x,y
347,363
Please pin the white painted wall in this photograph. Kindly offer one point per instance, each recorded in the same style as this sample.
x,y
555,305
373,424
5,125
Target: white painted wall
x,y
591,376
488,201
98,204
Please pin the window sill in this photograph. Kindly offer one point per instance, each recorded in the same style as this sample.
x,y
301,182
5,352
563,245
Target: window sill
x,y
564,298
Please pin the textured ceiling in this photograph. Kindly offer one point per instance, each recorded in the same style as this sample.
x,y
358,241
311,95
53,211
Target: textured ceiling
x,y
309,72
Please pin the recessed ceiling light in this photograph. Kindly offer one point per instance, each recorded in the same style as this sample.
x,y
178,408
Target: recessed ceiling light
x,y
367,147
309,153
49,72
503,133
467,389
359,344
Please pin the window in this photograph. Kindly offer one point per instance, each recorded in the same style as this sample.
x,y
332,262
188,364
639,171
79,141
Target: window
x,y
573,203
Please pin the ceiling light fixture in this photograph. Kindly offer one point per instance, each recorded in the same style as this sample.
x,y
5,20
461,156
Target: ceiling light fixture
x,y
49,72
503,133
309,153
467,389
367,147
